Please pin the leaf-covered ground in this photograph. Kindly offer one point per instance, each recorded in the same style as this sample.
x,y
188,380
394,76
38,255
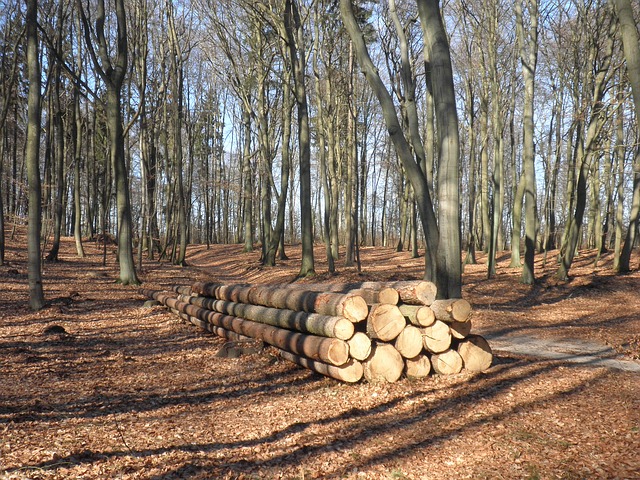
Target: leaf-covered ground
x,y
130,392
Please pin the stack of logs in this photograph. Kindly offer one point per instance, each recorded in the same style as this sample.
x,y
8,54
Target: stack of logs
x,y
378,331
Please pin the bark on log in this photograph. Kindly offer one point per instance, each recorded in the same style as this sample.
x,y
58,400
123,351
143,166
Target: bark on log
x,y
417,367
409,342
351,371
219,331
437,337
418,315
417,292
326,350
381,295
452,310
448,362
182,289
385,322
384,364
314,323
476,353
460,330
359,346
352,307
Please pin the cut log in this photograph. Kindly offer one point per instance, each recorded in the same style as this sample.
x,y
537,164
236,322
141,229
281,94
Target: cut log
x,y
418,315
460,330
416,293
349,372
219,331
452,310
476,353
385,322
182,289
372,296
448,362
352,307
437,337
326,350
359,346
417,367
409,342
314,323
384,364
389,296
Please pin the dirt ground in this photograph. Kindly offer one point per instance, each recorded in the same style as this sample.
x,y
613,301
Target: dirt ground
x,y
133,393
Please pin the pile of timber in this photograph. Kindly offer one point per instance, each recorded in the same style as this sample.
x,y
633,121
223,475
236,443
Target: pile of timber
x,y
379,331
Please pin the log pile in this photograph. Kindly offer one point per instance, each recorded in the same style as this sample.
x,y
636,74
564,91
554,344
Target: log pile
x,y
347,332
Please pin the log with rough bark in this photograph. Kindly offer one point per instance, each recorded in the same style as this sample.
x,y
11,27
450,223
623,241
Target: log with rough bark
x,y
352,307
476,353
385,322
417,367
324,349
409,341
384,364
437,337
448,362
219,331
351,371
359,346
418,315
314,323
452,310
417,292
182,289
460,330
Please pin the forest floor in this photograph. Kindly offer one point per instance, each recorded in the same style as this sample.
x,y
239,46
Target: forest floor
x,y
133,393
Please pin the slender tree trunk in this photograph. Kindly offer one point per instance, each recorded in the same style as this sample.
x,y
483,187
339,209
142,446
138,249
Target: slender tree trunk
x,y
528,58
294,29
32,154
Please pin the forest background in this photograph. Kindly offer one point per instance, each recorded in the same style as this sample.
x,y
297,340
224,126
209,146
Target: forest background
x,y
167,123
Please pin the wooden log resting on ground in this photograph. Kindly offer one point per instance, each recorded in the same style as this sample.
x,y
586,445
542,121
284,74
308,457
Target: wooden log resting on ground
x,y
448,362
452,310
409,342
417,293
417,367
219,331
418,315
384,364
437,337
359,346
476,353
385,322
352,307
314,323
351,371
326,350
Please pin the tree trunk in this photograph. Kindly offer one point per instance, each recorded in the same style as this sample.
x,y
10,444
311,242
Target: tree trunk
x,y
32,155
